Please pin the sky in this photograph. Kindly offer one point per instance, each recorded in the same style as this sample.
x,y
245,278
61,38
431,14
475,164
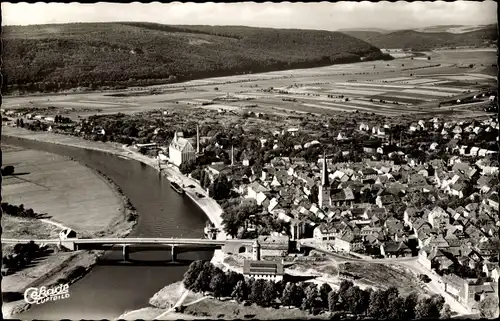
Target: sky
x,y
319,15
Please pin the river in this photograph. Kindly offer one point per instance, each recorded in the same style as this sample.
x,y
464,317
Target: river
x,y
113,286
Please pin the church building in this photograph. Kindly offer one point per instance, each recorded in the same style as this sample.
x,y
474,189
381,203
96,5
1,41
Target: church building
x,y
181,150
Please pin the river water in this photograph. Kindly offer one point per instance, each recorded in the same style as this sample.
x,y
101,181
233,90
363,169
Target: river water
x,y
113,286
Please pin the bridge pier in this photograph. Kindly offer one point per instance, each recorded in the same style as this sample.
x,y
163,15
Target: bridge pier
x,y
126,252
173,254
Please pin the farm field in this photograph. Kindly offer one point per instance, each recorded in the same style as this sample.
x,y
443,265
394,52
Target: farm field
x,y
46,183
388,88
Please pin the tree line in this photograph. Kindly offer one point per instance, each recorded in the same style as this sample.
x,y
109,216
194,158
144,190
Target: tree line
x,y
19,211
381,304
22,254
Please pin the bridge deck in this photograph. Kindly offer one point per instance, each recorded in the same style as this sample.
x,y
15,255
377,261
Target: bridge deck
x,y
130,241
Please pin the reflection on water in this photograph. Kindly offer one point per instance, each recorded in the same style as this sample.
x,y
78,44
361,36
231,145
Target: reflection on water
x,y
111,288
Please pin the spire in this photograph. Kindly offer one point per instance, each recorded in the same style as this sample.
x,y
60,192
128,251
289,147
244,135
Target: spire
x,y
324,174
197,139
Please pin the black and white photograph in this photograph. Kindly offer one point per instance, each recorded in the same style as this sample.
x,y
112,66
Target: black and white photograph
x,y
245,160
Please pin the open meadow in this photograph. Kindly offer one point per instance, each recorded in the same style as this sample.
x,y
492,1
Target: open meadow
x,y
47,183
391,88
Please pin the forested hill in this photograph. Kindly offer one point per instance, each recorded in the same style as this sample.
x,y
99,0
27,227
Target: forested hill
x,y
52,57
421,41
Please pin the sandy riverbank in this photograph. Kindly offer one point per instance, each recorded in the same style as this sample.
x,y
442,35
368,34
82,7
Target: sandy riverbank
x,y
47,186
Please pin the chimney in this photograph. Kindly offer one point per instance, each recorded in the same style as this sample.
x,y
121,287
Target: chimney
x,y
232,155
197,139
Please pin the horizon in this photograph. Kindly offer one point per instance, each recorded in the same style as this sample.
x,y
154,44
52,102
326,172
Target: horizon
x,y
391,16
246,26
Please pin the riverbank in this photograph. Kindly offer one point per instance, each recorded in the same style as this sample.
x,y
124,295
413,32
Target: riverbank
x,y
46,184
208,205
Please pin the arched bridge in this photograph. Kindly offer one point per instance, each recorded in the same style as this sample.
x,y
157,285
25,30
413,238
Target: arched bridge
x,y
176,245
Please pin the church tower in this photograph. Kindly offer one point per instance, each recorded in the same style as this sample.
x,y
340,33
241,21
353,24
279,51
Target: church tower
x,y
256,250
323,193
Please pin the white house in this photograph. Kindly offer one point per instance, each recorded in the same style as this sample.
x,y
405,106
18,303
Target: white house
x,y
414,127
364,127
266,270
341,136
255,188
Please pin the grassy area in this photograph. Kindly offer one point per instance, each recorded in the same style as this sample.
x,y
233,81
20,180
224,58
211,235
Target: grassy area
x,y
25,228
46,183
383,276
171,294
231,310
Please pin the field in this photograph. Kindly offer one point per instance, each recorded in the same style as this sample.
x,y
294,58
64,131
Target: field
x,y
46,183
17,227
380,275
391,88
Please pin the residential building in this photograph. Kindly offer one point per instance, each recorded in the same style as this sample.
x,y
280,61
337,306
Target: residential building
x,y
394,249
266,270
348,242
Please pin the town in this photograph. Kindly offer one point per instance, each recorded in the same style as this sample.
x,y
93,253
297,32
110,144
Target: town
x,y
250,161
364,186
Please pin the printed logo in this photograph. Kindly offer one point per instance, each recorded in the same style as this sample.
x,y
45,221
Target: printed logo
x,y
42,295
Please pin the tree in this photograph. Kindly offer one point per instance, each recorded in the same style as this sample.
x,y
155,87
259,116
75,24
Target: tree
x,y
220,188
353,300
396,309
324,290
196,173
377,303
287,299
313,197
187,167
232,278
311,296
218,283
446,312
333,299
488,308
390,295
8,170
299,294
231,223
411,302
240,292
269,293
437,304
429,307
256,292
192,274
202,283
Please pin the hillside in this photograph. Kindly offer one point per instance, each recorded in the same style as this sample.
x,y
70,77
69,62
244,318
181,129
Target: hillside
x,y
427,40
52,57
